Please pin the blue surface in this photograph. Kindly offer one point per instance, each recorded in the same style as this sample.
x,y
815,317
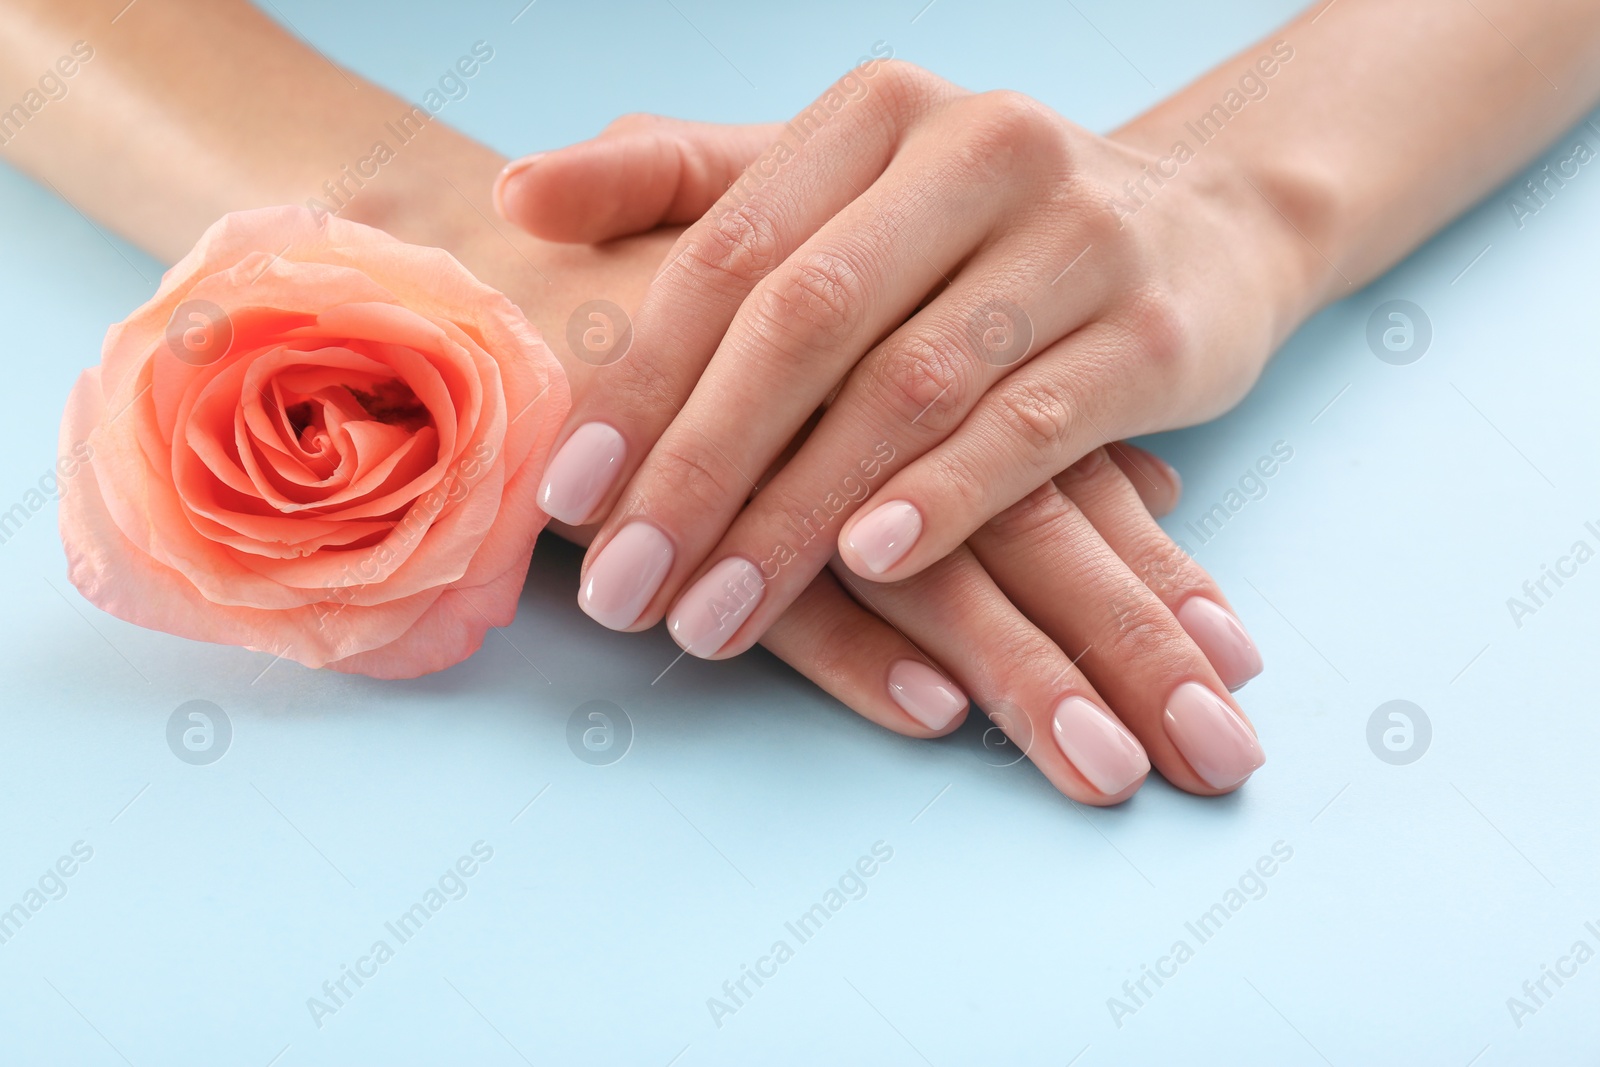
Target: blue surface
x,y
1418,898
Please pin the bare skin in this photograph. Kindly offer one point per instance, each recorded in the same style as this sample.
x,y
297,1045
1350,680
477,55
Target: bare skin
x,y
1389,127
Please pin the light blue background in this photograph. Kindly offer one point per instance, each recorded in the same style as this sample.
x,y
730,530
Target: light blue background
x,y
1418,899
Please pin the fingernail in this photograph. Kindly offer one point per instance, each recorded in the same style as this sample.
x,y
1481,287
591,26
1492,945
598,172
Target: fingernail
x,y
885,534
708,614
1168,471
1223,639
509,171
1211,736
925,694
1098,745
625,575
582,471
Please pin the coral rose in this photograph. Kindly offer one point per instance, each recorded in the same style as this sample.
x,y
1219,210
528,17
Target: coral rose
x,y
316,441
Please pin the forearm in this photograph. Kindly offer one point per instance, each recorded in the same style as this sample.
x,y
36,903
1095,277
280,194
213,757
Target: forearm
x,y
188,110
1385,122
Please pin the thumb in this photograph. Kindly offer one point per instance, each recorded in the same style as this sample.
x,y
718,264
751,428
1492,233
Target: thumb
x,y
644,171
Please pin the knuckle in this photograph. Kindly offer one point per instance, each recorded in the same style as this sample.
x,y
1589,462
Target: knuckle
x,y
1040,416
697,483
632,122
818,300
962,483
740,248
1093,467
1037,517
1142,627
1166,570
905,84
639,389
1007,129
924,378
1158,329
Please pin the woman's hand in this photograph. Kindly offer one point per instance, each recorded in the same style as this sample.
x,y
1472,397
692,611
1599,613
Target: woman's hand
x,y
946,272
1138,671
976,640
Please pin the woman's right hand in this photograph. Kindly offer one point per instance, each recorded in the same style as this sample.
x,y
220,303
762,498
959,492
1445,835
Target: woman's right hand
x,y
1073,592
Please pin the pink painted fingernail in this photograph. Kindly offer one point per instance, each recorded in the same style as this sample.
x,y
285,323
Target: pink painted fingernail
x,y
1215,740
1098,745
885,534
625,575
582,471
1223,638
707,615
508,172
925,694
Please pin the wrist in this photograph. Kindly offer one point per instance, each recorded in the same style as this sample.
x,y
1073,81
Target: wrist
x,y
1271,218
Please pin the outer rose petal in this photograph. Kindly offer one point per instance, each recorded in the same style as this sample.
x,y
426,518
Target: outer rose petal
x,y
142,546
450,630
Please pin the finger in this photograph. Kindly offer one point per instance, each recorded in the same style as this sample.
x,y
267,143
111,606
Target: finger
x,y
1094,386
1056,568
1015,673
1109,502
1157,484
683,317
865,663
644,171
813,318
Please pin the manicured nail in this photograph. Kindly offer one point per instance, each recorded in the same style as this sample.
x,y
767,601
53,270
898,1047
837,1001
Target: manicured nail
x,y
707,615
1163,470
1098,745
582,471
509,171
1211,736
885,534
1223,639
925,694
625,575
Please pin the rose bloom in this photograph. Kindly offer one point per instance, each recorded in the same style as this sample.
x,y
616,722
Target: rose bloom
x,y
315,441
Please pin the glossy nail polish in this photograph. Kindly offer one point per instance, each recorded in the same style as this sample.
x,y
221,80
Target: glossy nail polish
x,y
1099,746
885,534
1213,737
507,173
925,694
711,610
581,472
625,575
1223,639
